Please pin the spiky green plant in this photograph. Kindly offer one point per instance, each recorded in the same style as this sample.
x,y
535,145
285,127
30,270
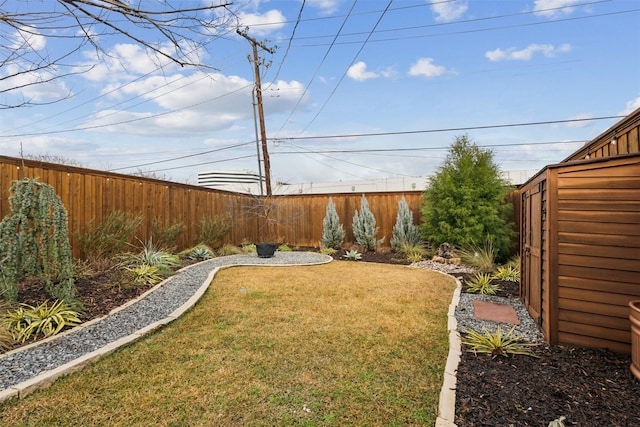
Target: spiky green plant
x,y
200,253
28,321
332,231
353,255
507,272
146,274
482,284
498,344
154,256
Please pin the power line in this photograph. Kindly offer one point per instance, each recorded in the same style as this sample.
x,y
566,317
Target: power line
x,y
462,21
480,30
326,54
410,132
183,157
386,150
348,67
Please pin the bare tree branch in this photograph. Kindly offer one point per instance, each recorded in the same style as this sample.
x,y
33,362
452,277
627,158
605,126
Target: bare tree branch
x,y
27,25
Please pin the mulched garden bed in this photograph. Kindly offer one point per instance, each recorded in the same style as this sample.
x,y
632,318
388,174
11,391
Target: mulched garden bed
x,y
589,387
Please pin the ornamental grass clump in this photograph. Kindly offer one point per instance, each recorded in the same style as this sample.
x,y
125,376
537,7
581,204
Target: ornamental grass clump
x,y
110,238
34,241
480,256
497,344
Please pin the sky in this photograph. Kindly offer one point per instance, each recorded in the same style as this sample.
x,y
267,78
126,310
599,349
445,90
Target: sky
x,y
354,90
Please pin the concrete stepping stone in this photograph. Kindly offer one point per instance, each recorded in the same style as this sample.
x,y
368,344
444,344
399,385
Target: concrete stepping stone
x,y
503,313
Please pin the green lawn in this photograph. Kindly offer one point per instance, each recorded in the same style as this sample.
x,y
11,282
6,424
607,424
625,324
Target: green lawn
x,y
344,343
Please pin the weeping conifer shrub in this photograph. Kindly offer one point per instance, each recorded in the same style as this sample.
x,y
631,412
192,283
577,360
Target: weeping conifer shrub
x,y
34,241
364,227
405,233
332,230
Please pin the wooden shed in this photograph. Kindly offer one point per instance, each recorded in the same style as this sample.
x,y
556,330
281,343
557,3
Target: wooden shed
x,y
580,241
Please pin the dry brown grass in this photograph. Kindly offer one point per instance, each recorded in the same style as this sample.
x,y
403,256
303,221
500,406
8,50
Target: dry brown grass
x,y
339,344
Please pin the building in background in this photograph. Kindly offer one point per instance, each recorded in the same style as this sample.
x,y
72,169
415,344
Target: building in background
x,y
249,182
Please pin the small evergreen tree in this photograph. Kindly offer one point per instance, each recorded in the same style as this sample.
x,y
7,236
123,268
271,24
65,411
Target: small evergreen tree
x,y
34,241
464,202
404,231
364,227
332,230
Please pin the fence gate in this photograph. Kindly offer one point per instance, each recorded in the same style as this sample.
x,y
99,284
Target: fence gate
x,y
532,249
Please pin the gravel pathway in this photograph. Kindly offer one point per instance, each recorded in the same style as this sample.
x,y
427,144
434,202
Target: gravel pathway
x,y
24,364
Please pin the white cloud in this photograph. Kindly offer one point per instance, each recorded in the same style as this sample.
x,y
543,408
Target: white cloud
x,y
447,12
581,124
358,71
262,24
26,39
541,7
35,86
527,53
193,104
326,6
426,68
631,106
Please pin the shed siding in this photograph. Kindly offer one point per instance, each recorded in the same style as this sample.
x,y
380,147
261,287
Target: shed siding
x,y
598,244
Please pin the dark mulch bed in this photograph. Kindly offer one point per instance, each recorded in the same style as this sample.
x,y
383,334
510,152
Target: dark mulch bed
x,y
589,387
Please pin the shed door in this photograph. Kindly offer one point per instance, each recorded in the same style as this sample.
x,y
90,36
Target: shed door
x,y
532,245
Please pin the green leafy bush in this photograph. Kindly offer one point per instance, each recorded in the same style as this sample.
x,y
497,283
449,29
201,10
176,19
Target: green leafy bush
x,y
482,284
404,233
364,227
353,255
213,229
34,241
110,238
497,344
332,231
465,200
28,321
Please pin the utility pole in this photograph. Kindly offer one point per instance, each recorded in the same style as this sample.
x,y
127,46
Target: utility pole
x,y
263,132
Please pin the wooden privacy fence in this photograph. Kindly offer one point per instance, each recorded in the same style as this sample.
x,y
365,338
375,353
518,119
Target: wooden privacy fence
x,y
90,196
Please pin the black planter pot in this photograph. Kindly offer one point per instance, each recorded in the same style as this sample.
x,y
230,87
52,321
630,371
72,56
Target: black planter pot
x,y
265,250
